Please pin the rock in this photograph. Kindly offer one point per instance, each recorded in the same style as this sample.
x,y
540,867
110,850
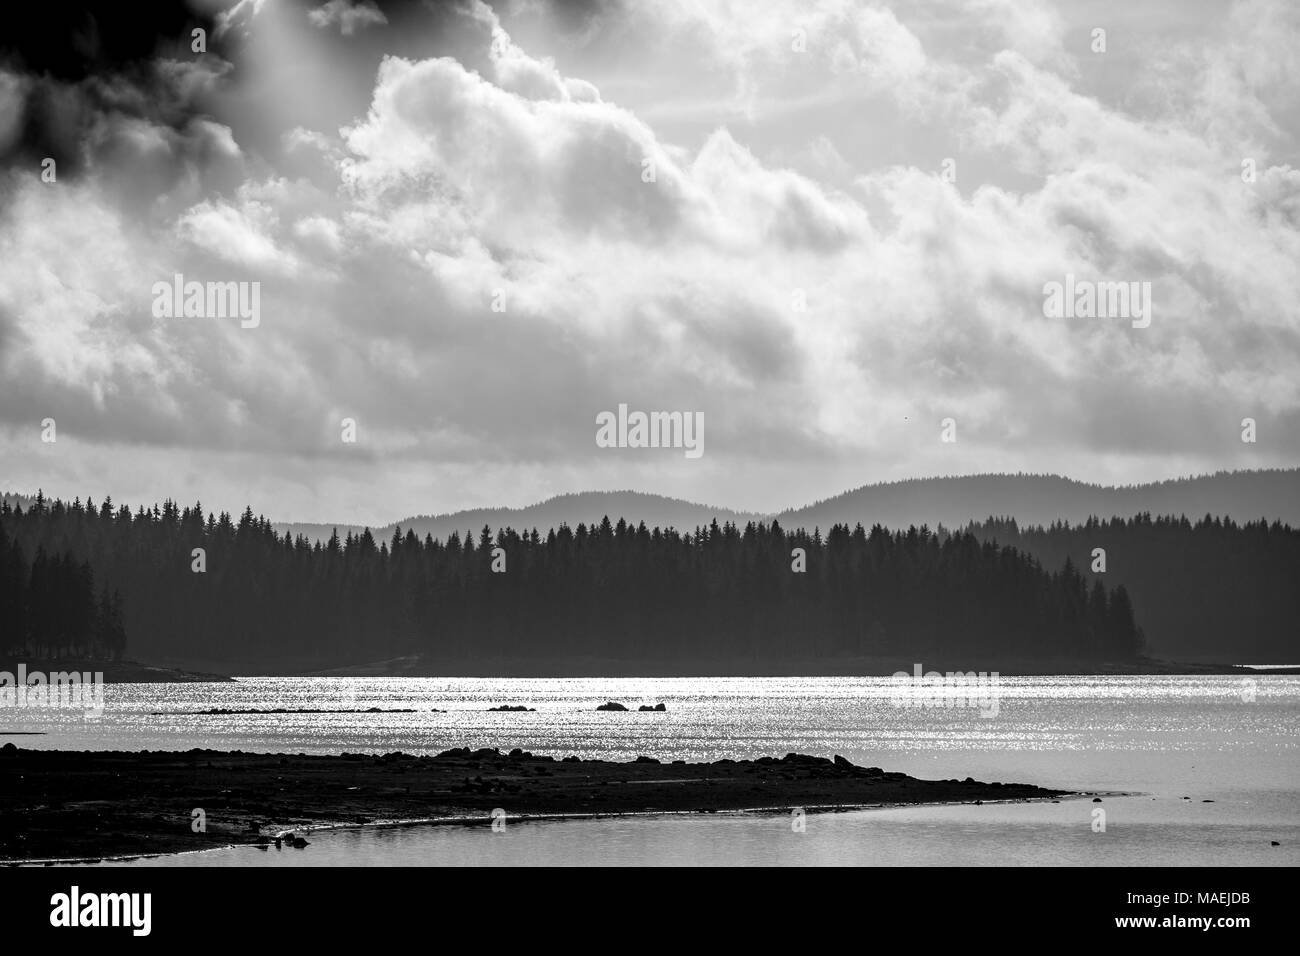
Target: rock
x,y
1096,799
611,705
656,708
572,758
807,760
1274,843
513,709
9,750
645,760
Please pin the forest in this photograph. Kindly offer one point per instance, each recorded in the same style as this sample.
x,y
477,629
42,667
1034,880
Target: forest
x,y
1209,589
719,593
49,608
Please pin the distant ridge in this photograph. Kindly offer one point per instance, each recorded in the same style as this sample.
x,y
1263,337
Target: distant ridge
x,y
951,501
571,509
1043,499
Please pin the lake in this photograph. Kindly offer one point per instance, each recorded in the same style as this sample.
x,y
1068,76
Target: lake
x,y
1211,763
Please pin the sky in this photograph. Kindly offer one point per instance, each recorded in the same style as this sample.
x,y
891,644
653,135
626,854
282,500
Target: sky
x,y
824,227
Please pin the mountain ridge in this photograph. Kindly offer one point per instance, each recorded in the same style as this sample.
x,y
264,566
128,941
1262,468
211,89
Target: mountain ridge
x,y
950,500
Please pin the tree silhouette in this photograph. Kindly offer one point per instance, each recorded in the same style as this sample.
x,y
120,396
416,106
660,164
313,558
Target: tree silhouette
x,y
722,595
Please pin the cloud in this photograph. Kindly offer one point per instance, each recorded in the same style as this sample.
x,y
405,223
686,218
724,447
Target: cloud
x,y
242,233
500,244
348,15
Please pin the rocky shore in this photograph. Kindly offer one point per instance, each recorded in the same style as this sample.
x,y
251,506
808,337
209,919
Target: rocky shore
x,y
79,805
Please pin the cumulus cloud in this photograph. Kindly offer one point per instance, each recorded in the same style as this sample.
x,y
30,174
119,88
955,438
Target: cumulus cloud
x,y
348,15
523,229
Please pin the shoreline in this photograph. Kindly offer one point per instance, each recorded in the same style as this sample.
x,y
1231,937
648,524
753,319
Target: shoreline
x,y
584,667
114,672
87,806
480,820
172,672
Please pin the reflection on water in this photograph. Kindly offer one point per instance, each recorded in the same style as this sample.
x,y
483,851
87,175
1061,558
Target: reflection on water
x,y
1202,738
1141,831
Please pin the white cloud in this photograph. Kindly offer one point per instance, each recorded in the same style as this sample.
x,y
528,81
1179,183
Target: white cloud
x,y
320,229
347,15
242,234
497,170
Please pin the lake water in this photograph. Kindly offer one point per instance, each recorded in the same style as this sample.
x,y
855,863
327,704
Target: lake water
x,y
1160,739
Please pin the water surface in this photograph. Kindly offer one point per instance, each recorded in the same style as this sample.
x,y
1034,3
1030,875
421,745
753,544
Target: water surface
x,y
1162,738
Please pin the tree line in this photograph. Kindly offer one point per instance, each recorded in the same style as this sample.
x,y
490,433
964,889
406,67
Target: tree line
x,y
721,593
1210,588
49,607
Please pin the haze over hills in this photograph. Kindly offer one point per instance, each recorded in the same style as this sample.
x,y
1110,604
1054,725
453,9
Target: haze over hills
x,y
1043,499
571,509
952,501
1273,494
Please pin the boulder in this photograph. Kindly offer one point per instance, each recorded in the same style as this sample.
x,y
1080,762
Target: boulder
x,y
611,705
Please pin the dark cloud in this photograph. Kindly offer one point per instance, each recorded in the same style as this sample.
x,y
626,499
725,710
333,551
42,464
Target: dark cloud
x,y
76,67
74,40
